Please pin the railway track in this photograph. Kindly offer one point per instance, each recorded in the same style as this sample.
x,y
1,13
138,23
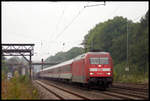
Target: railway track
x,y
61,93
112,93
135,93
131,88
128,91
123,94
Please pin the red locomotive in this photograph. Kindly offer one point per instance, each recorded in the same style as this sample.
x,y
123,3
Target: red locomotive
x,y
91,68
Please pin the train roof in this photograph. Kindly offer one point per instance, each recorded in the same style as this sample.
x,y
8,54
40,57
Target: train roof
x,y
97,52
60,64
74,59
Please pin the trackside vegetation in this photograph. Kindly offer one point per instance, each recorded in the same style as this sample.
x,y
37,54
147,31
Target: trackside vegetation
x,y
18,87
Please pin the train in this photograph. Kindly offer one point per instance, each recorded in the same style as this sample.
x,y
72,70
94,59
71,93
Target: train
x,y
91,69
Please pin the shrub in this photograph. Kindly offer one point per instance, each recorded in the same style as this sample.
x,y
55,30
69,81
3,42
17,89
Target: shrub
x,y
19,87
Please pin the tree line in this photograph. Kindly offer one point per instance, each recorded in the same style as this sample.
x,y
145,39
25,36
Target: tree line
x,y
125,40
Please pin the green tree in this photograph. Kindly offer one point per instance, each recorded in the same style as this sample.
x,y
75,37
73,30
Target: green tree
x,y
111,36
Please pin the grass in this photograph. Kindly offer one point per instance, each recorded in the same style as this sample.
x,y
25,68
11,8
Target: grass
x,y
19,87
132,76
132,79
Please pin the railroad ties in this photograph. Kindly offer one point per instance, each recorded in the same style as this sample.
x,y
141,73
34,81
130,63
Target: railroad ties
x,y
63,91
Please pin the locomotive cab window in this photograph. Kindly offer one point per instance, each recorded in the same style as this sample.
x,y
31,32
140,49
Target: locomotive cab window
x,y
99,60
94,60
103,60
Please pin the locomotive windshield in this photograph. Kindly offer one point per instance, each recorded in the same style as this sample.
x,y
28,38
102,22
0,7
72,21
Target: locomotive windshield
x,y
99,60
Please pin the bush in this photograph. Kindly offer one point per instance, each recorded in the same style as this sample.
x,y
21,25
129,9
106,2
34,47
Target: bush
x,y
133,75
19,87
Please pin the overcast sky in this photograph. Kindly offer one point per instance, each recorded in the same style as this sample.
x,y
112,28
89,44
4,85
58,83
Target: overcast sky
x,y
50,24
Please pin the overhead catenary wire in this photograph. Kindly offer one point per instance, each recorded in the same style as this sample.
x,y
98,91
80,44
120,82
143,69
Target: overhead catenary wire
x,y
138,17
74,18
70,22
94,5
113,12
61,16
57,24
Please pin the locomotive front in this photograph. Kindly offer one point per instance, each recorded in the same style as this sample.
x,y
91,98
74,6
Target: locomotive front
x,y
100,69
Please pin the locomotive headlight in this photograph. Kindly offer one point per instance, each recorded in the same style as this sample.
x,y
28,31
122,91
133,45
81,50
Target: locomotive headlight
x,y
91,73
108,73
99,65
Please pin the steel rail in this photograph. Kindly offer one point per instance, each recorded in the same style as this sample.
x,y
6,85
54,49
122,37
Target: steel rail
x,y
73,93
65,90
50,91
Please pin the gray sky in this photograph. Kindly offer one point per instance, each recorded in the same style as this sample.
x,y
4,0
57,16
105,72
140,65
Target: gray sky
x,y
49,24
